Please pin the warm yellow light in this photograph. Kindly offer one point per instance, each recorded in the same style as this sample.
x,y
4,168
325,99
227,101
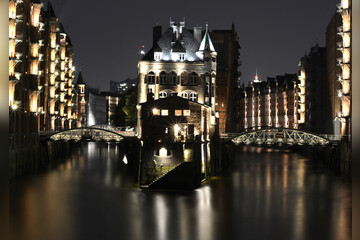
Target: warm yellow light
x,y
346,40
12,29
11,68
156,111
11,92
12,48
53,40
34,50
346,23
14,107
346,56
35,14
33,102
12,9
62,54
34,67
62,110
52,55
346,72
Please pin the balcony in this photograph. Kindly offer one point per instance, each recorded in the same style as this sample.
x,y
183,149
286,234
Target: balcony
x,y
41,26
339,8
340,30
340,46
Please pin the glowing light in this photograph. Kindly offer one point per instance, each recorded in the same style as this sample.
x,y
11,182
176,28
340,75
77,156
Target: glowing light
x,y
14,107
156,112
176,129
125,159
163,152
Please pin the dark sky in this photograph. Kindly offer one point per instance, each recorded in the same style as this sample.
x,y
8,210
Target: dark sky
x,y
107,34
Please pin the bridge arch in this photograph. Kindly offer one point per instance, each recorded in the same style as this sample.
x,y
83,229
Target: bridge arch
x,y
280,136
87,133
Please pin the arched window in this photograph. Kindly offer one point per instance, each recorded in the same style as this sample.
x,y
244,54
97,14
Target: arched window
x,y
193,97
162,95
162,78
151,78
185,95
183,79
173,78
193,78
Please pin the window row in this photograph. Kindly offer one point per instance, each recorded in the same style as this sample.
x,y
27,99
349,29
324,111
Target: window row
x,y
165,112
172,78
192,96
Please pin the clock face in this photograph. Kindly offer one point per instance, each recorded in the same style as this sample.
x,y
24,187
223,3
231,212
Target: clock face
x,y
207,59
213,59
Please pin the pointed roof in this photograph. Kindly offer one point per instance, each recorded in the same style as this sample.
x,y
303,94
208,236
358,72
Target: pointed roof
x,y
178,47
80,79
50,10
206,43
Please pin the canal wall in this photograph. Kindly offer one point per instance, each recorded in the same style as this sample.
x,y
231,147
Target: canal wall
x,y
337,156
30,157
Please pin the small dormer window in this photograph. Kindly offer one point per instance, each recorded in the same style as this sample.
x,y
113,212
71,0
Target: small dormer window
x,y
182,56
157,56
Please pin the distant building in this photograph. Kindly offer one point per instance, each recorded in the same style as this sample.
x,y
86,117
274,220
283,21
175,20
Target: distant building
x,y
119,88
96,107
81,102
180,64
269,104
112,103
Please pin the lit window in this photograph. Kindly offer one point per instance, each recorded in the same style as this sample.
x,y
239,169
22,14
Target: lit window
x,y
164,112
156,112
162,78
184,95
186,112
157,56
193,97
162,95
178,112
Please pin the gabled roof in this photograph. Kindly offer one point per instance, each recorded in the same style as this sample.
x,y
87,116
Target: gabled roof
x,y
80,79
206,43
178,47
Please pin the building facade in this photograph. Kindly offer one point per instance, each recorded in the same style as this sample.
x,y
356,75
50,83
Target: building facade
x,y
273,103
40,71
180,64
226,43
344,62
315,97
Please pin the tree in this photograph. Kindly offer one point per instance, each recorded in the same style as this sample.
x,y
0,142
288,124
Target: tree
x,y
130,107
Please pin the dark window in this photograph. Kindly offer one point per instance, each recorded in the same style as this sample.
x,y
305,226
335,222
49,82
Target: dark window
x,y
193,78
151,78
172,78
162,78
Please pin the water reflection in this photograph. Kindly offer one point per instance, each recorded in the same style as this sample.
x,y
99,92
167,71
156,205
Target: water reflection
x,y
266,194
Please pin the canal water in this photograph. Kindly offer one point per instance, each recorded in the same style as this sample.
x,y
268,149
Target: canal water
x,y
265,194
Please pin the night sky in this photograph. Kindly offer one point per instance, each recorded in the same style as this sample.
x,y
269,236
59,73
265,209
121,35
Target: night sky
x,y
107,35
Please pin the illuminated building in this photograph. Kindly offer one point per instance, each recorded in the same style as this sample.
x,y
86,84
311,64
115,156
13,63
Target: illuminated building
x,y
269,104
122,87
81,120
344,62
40,70
180,64
316,108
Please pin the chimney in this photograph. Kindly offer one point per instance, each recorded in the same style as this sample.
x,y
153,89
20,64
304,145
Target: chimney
x,y
197,34
157,32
